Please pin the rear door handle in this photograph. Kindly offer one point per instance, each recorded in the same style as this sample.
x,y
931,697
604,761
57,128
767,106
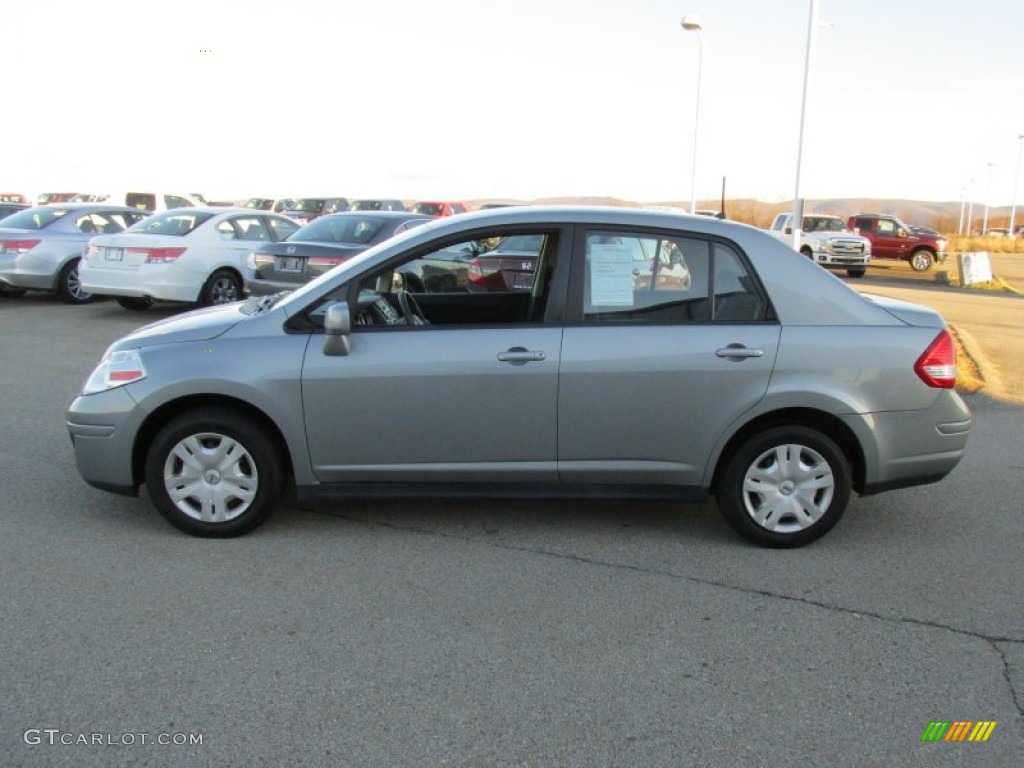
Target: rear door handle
x,y
520,356
738,352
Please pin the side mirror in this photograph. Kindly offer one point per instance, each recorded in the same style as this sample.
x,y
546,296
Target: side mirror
x,y
901,233
788,230
337,327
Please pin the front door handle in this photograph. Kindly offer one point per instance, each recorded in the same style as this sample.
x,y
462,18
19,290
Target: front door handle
x,y
738,352
520,356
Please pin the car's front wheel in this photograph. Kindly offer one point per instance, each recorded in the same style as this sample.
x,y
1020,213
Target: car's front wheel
x,y
921,261
223,287
213,472
69,287
785,487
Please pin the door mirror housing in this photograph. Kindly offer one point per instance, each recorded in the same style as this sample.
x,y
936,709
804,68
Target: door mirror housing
x,y
337,327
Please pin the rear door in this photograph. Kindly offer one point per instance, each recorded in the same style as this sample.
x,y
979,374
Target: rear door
x,y
664,355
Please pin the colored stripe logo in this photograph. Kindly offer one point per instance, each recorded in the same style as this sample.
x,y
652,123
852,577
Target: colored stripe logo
x,y
959,730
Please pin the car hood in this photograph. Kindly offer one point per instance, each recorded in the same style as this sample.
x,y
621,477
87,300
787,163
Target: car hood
x,y
907,311
197,325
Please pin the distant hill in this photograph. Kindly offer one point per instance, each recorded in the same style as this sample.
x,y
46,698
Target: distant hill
x,y
943,216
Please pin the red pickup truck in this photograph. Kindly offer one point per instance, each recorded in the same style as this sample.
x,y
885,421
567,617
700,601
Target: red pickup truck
x,y
892,239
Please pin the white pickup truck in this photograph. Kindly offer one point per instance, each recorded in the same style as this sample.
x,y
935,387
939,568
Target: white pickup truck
x,y
826,241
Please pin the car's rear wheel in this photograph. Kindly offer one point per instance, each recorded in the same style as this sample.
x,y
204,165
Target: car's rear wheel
x,y
785,487
222,287
921,260
856,272
69,287
133,303
212,472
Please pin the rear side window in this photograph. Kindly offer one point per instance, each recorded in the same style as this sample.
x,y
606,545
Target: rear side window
x,y
666,279
173,201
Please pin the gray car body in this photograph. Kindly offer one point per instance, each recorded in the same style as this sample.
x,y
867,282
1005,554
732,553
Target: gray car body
x,y
582,419
61,242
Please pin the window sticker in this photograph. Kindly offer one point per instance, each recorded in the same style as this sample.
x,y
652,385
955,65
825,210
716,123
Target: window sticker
x,y
611,275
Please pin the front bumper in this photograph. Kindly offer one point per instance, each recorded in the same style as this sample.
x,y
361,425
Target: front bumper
x,y
103,428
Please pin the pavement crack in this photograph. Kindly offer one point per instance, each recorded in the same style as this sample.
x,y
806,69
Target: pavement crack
x,y
992,640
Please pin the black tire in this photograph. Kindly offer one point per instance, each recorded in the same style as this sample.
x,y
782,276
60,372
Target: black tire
x,y
810,493
69,289
856,272
236,491
222,287
134,304
921,260
807,252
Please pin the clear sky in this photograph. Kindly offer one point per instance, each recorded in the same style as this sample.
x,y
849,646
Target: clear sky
x,y
464,99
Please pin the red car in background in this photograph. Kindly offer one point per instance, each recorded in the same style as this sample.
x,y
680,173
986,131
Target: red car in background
x,y
434,208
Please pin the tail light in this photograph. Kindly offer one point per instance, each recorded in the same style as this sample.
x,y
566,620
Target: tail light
x,y
936,366
475,272
157,255
258,260
91,251
17,246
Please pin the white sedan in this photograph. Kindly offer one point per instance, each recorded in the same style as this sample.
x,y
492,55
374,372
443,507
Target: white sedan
x,y
186,254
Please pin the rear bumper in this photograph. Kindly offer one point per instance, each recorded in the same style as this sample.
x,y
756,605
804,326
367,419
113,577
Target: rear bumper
x,y
909,448
164,282
27,271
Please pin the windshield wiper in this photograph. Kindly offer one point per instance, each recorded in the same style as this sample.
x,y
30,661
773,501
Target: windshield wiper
x,y
270,300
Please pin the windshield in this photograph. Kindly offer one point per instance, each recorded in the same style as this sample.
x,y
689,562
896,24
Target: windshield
x,y
297,299
430,209
176,223
357,230
34,218
823,224
309,205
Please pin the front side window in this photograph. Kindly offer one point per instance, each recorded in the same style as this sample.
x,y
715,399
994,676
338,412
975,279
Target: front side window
x,y
630,278
173,201
144,201
886,227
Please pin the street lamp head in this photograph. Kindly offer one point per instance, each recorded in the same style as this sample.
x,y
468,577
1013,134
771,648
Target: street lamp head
x,y
691,23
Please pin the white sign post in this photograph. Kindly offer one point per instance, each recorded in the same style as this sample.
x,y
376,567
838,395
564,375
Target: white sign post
x,y
975,268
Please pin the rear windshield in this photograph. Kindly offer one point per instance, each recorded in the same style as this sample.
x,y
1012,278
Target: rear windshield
x,y
177,223
340,229
35,218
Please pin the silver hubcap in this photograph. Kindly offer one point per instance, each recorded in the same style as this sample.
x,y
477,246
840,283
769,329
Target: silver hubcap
x,y
211,477
224,291
788,488
75,286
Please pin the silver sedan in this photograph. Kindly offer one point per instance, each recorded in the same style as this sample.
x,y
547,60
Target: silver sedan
x,y
760,379
40,248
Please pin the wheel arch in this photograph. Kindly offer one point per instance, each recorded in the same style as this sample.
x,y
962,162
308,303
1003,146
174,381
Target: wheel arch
x,y
159,418
824,422
232,268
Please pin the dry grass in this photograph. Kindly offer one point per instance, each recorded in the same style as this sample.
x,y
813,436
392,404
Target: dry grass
x,y
958,244
968,376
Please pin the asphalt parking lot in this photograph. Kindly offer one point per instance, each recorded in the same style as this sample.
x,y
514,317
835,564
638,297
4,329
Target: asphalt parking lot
x,y
480,634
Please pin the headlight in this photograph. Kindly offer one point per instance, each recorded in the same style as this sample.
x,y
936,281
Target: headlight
x,y
115,369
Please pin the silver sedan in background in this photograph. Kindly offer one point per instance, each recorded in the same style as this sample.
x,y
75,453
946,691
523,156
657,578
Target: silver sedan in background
x,y
760,378
40,248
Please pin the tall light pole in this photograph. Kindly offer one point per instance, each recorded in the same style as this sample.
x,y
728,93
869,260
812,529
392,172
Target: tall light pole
x,y
692,23
798,203
1016,181
963,204
988,197
970,210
